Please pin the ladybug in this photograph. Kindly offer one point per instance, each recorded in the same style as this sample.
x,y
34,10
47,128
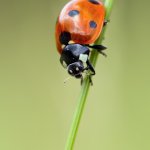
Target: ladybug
x,y
78,26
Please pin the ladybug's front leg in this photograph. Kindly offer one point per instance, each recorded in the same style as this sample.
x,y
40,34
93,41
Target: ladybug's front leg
x,y
90,67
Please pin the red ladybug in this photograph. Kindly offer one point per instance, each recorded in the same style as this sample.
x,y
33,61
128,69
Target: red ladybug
x,y
79,25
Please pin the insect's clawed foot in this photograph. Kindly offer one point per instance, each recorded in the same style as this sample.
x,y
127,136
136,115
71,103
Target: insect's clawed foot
x,y
99,48
90,80
101,52
105,22
81,82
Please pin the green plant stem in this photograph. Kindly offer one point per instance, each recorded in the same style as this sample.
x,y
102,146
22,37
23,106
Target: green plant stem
x,y
86,85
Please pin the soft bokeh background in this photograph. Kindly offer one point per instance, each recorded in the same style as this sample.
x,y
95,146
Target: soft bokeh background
x,y
36,108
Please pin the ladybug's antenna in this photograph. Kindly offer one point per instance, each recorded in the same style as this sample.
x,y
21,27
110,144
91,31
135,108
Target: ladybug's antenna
x,y
67,79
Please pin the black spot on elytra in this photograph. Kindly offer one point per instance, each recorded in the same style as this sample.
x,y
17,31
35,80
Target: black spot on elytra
x,y
94,2
73,13
64,38
93,24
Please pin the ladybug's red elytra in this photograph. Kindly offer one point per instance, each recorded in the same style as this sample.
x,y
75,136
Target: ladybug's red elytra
x,y
78,26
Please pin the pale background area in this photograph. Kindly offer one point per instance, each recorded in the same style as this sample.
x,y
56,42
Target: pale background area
x,y
36,108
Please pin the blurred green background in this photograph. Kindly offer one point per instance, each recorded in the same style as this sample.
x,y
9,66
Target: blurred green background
x,y
36,108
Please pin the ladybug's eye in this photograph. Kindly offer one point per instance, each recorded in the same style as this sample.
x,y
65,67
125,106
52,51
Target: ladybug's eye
x,y
64,64
70,71
77,69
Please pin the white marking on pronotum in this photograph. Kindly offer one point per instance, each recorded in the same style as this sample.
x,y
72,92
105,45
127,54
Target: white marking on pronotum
x,y
83,57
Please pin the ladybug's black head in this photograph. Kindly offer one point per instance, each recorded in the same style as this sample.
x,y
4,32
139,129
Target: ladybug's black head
x,y
73,57
75,69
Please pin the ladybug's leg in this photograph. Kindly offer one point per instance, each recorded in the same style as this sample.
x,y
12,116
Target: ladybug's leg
x,y
90,67
105,22
90,80
99,48
81,80
101,52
